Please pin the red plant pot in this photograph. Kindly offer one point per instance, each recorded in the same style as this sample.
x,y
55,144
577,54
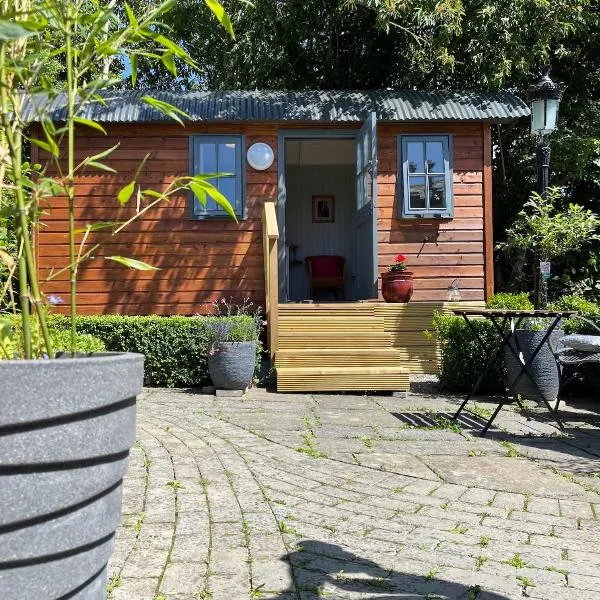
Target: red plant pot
x,y
397,286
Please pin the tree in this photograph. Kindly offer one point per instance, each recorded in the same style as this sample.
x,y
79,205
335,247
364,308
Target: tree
x,y
427,44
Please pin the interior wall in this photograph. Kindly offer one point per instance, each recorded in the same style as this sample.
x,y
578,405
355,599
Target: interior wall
x,y
302,182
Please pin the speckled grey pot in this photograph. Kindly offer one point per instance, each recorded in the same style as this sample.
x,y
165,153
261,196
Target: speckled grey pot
x,y
231,367
543,369
66,427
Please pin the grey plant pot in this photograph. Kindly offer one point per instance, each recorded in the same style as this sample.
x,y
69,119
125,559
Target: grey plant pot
x,y
544,369
66,427
231,367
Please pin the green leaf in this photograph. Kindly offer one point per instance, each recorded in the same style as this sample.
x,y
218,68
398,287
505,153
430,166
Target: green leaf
x,y
202,188
168,60
125,193
97,226
9,30
101,166
53,150
133,61
89,123
167,109
199,192
221,15
131,16
102,154
132,263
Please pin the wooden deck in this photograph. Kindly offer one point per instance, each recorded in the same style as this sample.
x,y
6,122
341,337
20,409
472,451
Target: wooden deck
x,y
355,345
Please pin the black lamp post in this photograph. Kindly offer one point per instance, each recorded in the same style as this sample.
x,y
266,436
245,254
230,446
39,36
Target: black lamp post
x,y
544,99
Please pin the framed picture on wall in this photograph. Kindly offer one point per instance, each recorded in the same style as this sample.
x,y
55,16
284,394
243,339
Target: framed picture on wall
x,y
323,209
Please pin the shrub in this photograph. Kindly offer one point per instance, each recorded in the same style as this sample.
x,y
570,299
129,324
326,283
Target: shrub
x,y
463,359
176,348
510,301
585,308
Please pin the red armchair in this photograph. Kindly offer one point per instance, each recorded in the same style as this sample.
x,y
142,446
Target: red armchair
x,y
326,273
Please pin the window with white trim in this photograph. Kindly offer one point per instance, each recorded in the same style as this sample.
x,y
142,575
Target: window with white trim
x,y
218,154
425,168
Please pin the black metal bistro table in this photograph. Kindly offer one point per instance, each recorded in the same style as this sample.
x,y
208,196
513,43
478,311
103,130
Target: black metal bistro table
x,y
505,323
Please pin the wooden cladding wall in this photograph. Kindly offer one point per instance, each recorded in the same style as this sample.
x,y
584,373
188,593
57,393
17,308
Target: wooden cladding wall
x,y
200,261
203,261
438,251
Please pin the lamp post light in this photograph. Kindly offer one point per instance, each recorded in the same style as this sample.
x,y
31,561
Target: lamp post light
x,y
544,99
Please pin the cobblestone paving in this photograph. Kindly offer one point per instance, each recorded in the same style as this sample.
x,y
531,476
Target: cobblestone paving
x,y
299,497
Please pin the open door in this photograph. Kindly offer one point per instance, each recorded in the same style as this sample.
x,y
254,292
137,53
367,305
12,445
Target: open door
x,y
366,209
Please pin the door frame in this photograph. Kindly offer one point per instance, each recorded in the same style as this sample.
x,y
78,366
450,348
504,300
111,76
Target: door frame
x,y
349,133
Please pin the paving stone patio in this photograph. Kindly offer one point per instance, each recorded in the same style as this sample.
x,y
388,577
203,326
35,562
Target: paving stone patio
x,y
299,497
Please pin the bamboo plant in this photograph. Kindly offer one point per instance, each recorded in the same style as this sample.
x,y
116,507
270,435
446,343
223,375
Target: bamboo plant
x,y
67,53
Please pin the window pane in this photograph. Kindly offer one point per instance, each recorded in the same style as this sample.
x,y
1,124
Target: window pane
x,y
414,155
435,157
227,188
416,192
208,158
437,192
227,158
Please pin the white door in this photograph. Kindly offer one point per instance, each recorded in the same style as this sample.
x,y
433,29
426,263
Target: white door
x,y
366,209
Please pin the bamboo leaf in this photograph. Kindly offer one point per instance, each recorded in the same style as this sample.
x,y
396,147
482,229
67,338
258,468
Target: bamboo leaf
x,y
9,30
132,263
199,192
90,123
221,15
101,166
152,193
125,193
44,146
96,226
102,154
167,109
133,62
131,16
168,60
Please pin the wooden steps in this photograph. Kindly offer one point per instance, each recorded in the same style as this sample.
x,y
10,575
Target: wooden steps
x,y
355,346
341,379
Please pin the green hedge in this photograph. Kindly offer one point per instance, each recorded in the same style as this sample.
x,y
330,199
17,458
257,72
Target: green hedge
x,y
176,348
462,357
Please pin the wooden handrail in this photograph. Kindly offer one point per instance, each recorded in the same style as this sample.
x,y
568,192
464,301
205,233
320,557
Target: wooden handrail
x,y
271,258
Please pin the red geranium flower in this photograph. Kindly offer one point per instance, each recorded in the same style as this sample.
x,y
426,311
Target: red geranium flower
x,y
400,258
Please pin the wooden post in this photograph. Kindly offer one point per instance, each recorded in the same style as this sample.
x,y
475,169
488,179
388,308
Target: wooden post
x,y
271,260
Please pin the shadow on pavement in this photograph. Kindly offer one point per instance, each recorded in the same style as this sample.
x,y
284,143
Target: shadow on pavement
x,y
327,570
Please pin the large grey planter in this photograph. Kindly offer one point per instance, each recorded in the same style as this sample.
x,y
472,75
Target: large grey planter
x,y
231,367
66,427
543,369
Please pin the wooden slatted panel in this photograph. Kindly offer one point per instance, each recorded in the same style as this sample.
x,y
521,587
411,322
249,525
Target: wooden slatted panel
x,y
336,379
376,339
200,261
336,346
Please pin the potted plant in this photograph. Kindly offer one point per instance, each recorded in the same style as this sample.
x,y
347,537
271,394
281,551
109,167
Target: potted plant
x,y
397,282
234,345
544,231
67,425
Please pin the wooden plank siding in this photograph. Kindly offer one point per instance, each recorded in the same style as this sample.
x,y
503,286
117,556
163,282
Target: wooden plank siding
x,y
438,251
202,261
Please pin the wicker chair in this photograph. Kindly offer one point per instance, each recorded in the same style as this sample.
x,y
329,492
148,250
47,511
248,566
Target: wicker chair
x,y
567,356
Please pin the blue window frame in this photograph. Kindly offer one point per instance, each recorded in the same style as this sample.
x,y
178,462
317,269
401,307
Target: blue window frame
x,y
425,188
218,154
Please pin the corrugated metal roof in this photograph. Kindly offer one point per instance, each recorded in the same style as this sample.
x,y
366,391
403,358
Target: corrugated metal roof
x,y
278,106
